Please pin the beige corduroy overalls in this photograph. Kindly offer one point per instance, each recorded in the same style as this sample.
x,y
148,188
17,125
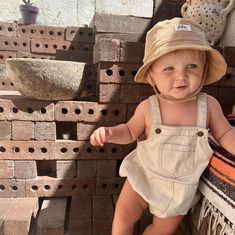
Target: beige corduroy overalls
x,y
165,168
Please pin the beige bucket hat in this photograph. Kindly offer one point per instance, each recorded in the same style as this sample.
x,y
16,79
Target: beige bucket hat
x,y
179,33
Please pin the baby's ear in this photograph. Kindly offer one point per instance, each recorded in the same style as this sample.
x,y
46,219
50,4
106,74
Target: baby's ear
x,y
147,78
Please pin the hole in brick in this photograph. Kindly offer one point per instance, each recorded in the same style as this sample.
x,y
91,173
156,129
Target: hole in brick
x,y
80,33
34,187
2,149
77,111
23,30
66,127
116,112
109,72
43,110
3,83
2,187
104,186
64,110
0,27
121,73
46,45
63,150
75,150
90,111
15,43
86,48
6,43
116,185
55,46
85,186
41,32
31,150
37,45
24,44
74,186
1,109
72,32
72,48
133,73
59,33
104,112
64,47
89,87
1,57
43,150
113,150
46,168
90,34
47,187
32,31
16,149
51,32
89,150
60,187
15,110
29,110
101,150
14,187
10,29
11,84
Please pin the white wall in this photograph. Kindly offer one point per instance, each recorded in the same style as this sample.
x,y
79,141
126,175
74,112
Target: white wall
x,y
76,12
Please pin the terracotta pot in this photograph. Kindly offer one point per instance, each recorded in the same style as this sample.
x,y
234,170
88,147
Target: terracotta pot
x,y
29,14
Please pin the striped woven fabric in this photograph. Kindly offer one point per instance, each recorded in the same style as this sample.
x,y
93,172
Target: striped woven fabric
x,y
217,184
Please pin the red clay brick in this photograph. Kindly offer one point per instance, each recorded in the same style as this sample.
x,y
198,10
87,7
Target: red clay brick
x,y
48,187
106,50
6,84
12,188
102,219
45,131
66,169
229,79
80,34
80,218
6,169
41,31
106,168
109,186
30,150
109,93
75,111
128,96
25,169
226,95
84,130
25,109
14,44
19,216
8,29
83,55
229,53
86,168
5,133
117,72
22,130
6,55
22,54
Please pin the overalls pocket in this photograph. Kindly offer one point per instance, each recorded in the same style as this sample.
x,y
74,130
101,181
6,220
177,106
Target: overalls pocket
x,y
176,160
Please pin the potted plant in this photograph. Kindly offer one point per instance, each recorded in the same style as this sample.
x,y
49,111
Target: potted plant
x,y
29,12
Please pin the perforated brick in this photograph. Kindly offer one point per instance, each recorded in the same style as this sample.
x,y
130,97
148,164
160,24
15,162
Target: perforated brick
x,y
45,131
229,79
5,133
117,72
14,44
31,150
86,168
7,29
41,31
84,130
6,84
109,93
229,53
48,187
22,54
66,169
25,109
25,169
12,188
80,34
75,111
106,168
6,55
7,169
51,46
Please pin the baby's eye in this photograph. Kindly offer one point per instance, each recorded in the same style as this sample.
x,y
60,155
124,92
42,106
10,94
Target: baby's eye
x,y
170,68
192,66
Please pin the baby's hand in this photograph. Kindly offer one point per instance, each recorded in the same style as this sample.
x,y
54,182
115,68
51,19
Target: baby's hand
x,y
100,136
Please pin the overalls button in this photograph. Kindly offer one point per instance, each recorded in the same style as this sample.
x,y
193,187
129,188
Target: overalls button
x,y
158,130
200,133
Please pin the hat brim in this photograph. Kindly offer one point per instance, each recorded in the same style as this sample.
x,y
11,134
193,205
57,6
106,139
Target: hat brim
x,y
216,64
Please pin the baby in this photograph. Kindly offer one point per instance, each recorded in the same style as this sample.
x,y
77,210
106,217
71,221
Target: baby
x,y
164,170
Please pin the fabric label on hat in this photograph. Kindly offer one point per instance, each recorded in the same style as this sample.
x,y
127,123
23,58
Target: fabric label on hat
x,y
183,27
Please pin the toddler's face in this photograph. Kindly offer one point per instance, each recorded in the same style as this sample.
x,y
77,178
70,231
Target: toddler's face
x,y
179,73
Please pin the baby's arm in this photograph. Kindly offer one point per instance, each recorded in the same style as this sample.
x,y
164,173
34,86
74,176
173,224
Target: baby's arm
x,y
222,131
124,133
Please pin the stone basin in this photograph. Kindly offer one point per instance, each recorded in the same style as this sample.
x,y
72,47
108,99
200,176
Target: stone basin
x,y
45,79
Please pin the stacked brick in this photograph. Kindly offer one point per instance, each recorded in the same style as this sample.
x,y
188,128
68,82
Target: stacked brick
x,y
44,146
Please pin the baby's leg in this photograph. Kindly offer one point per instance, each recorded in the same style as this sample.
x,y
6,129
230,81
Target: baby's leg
x,y
129,208
166,226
